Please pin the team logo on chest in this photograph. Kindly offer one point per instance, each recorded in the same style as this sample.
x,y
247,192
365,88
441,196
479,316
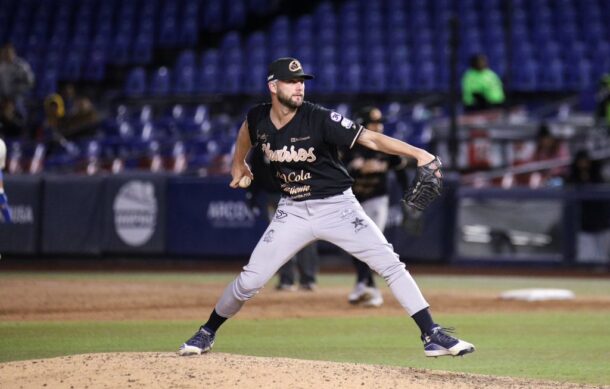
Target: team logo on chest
x,y
289,155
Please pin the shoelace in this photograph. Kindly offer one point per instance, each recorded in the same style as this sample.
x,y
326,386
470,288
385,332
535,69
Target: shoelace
x,y
442,334
199,337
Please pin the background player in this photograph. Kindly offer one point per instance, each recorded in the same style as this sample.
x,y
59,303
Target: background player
x,y
370,170
302,140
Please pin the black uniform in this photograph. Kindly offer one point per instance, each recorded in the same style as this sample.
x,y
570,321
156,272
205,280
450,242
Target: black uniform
x,y
304,152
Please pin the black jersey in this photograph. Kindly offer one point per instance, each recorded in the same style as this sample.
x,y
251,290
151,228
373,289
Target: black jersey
x,y
304,152
374,183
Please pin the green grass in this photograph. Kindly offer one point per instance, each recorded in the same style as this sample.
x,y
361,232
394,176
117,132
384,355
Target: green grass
x,y
572,347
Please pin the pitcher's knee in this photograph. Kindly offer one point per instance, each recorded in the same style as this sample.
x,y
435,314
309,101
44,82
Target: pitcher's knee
x,y
390,270
247,285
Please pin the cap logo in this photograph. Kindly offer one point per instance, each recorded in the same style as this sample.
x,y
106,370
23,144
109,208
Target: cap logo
x,y
294,66
270,77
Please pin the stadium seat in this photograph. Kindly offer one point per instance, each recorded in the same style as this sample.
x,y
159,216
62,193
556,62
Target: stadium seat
x,y
160,84
326,79
207,80
551,75
184,83
375,78
95,68
425,77
136,82
231,79
351,78
525,75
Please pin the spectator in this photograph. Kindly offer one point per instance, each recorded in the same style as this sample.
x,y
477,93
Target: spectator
x,y
548,148
16,77
481,87
81,121
11,122
593,240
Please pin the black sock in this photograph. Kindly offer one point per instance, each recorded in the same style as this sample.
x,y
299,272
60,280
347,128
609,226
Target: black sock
x,y
214,322
424,320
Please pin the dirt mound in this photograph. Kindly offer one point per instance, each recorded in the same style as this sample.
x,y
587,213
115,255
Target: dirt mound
x,y
219,370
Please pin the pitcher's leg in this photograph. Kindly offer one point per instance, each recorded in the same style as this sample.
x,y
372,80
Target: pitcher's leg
x,y
353,231
280,242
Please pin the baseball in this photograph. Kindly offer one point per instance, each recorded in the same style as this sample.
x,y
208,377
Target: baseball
x,y
245,182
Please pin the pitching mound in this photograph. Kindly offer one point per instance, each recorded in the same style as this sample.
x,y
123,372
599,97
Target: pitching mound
x,y
218,370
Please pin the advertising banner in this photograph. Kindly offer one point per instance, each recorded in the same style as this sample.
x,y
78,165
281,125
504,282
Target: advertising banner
x,y
134,217
209,218
22,235
72,215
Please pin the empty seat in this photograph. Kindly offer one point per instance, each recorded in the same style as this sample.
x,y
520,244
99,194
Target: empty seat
x,y
160,84
136,82
184,82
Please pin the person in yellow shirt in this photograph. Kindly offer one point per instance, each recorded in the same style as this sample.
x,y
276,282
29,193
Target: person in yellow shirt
x,y
481,87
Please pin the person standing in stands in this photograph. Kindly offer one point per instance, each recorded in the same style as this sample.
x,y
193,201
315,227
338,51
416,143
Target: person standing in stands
x,y
16,77
370,171
481,87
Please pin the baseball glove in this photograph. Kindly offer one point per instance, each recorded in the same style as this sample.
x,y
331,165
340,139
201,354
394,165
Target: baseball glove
x,y
426,186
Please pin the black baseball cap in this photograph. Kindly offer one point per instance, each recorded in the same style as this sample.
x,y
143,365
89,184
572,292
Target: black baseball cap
x,y
286,69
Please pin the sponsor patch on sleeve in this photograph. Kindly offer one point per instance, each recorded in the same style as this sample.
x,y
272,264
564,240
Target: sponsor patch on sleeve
x,y
347,123
335,117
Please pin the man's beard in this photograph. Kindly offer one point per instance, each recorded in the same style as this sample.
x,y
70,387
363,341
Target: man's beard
x,y
287,102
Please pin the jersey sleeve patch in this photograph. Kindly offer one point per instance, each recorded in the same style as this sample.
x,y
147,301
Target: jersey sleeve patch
x,y
335,117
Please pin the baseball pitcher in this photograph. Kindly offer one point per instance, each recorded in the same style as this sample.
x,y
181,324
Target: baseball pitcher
x,y
301,140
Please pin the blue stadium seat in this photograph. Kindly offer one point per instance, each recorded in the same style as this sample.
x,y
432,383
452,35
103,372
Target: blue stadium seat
x,y
142,50
375,78
578,75
136,82
121,51
255,82
400,78
525,75
551,75
184,82
351,78
47,85
95,68
207,80
168,32
189,32
425,77
236,14
327,79
231,41
160,84
232,79
72,67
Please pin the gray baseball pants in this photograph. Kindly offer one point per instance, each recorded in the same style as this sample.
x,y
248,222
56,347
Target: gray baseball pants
x,y
338,219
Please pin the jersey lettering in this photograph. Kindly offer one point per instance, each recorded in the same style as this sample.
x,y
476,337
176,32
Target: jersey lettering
x,y
294,176
292,155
